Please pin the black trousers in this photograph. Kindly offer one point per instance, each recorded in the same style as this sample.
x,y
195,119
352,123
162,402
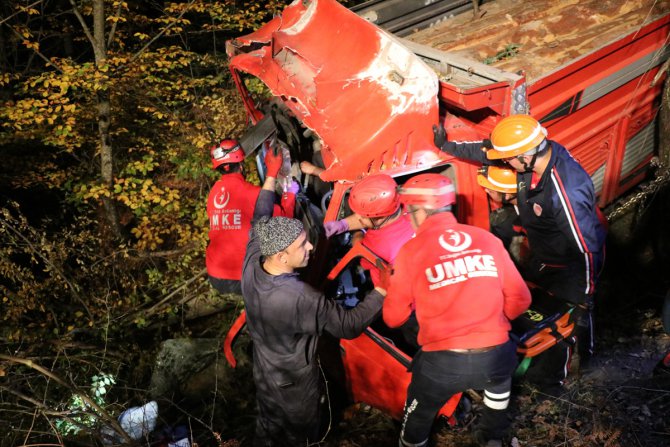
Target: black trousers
x,y
566,283
437,375
289,414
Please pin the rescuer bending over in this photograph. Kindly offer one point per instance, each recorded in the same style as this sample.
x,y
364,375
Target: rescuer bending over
x,y
376,206
230,206
557,208
465,289
504,222
285,318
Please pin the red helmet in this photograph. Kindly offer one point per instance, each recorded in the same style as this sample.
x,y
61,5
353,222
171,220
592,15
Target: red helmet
x,y
375,196
227,151
430,191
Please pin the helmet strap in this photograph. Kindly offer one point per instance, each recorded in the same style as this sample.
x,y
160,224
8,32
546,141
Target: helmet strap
x,y
507,201
528,167
386,219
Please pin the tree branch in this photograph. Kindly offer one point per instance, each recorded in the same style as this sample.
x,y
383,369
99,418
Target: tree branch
x,y
112,31
157,36
37,52
6,19
83,24
52,266
90,402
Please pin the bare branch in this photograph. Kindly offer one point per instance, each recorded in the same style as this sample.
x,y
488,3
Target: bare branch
x,y
157,36
6,19
52,266
37,52
83,24
90,402
110,38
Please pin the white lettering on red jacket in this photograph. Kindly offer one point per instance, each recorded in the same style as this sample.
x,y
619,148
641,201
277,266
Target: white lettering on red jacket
x,y
459,270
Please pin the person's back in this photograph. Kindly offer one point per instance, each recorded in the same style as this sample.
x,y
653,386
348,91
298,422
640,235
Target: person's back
x,y
464,289
376,207
230,207
454,273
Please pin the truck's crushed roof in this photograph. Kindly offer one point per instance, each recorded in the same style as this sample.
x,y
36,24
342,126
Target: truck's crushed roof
x,y
371,100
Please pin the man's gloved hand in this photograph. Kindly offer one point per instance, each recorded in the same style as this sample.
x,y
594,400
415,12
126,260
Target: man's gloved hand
x,y
273,162
440,140
439,135
334,227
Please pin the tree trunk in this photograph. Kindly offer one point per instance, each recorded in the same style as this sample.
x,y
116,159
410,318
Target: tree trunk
x,y
104,111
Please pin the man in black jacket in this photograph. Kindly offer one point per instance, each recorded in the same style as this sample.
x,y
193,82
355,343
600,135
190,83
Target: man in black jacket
x,y
285,317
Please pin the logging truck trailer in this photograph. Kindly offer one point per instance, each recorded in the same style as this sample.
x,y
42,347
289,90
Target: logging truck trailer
x,y
344,94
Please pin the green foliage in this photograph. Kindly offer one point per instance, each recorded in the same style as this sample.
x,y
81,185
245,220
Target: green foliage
x,y
508,52
66,276
81,416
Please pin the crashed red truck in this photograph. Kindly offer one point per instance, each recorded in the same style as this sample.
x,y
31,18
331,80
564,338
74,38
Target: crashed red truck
x,y
356,100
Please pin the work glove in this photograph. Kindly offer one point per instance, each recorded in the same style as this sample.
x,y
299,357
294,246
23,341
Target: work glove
x,y
334,227
273,161
439,135
440,140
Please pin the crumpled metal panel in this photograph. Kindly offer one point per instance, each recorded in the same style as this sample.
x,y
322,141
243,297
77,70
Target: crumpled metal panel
x,y
371,101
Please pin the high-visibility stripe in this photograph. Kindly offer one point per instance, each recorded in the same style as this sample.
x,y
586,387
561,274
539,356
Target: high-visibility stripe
x,y
220,153
497,396
404,443
502,185
428,191
495,404
574,228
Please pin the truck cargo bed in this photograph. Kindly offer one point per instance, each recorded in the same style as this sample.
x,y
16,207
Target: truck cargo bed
x,y
549,33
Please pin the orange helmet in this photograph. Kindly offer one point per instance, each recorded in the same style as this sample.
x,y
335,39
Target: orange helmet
x,y
227,151
497,178
430,191
375,196
515,135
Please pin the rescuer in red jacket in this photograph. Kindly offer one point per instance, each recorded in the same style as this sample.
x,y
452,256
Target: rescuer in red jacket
x,y
376,206
230,207
465,289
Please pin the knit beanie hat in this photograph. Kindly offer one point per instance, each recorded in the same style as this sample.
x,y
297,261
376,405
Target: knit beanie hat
x,y
277,233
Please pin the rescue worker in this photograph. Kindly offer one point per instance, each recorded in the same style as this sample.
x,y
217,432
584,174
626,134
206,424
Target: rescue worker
x,y
285,318
500,186
376,206
465,289
558,211
230,206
